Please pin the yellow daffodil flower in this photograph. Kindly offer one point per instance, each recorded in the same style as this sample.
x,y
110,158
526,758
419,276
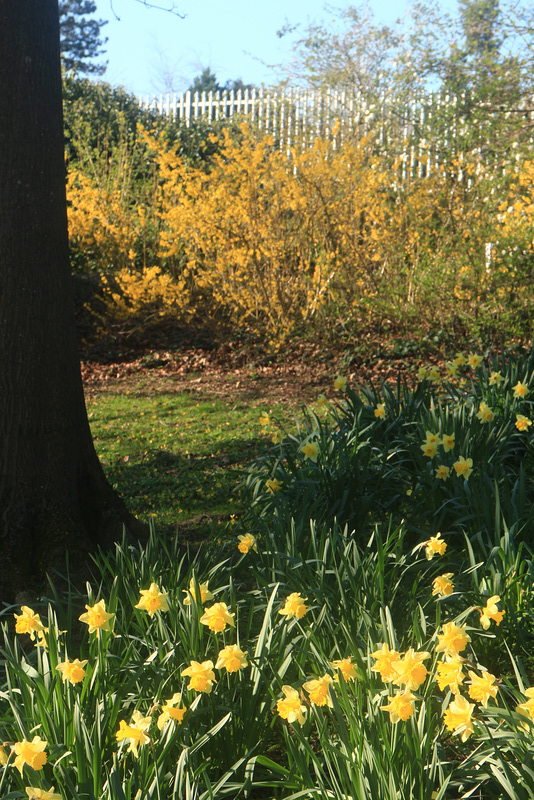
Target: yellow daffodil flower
x,y
231,658
452,370
448,442
463,467
522,423
482,687
460,360
153,600
340,384
322,401
347,669
294,606
319,691
484,414
247,542
135,732
410,670
442,585
97,618
429,449
4,758
449,673
520,389
217,617
171,714
290,707
380,411
528,707
495,379
202,676
474,360
203,595
400,707
458,717
491,612
384,661
442,472
277,437
433,373
72,671
453,640
273,485
28,622
422,373
42,794
434,546
311,451
30,753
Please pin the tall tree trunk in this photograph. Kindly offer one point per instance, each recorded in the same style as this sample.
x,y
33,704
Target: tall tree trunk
x,y
54,496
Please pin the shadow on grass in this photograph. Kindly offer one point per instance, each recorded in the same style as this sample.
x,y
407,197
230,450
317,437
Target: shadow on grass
x,y
171,487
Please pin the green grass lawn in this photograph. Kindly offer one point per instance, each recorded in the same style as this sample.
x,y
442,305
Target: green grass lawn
x,y
175,456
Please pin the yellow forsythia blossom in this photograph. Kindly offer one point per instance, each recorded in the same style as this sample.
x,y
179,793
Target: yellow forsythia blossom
x,y
246,543
96,617
153,600
30,753
231,658
217,617
202,676
458,716
491,612
294,606
434,546
135,732
442,585
265,420
202,596
290,707
319,691
482,687
171,714
400,706
72,671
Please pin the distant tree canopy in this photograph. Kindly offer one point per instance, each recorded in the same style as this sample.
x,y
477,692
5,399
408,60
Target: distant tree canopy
x,y
207,82
81,41
486,49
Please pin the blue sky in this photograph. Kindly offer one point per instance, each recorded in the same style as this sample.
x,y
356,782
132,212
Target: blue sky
x,y
148,49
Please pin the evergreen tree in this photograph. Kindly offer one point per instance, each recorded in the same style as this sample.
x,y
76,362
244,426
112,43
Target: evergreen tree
x,y
80,41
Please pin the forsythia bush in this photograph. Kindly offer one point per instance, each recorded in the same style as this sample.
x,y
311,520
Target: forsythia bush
x,y
278,239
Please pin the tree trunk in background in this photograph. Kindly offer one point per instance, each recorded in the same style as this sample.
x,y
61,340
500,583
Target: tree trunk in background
x,y
54,496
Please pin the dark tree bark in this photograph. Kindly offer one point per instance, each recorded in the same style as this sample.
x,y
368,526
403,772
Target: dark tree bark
x,y
54,496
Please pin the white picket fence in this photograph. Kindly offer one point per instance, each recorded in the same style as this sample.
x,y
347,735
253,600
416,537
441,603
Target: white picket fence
x,y
410,132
